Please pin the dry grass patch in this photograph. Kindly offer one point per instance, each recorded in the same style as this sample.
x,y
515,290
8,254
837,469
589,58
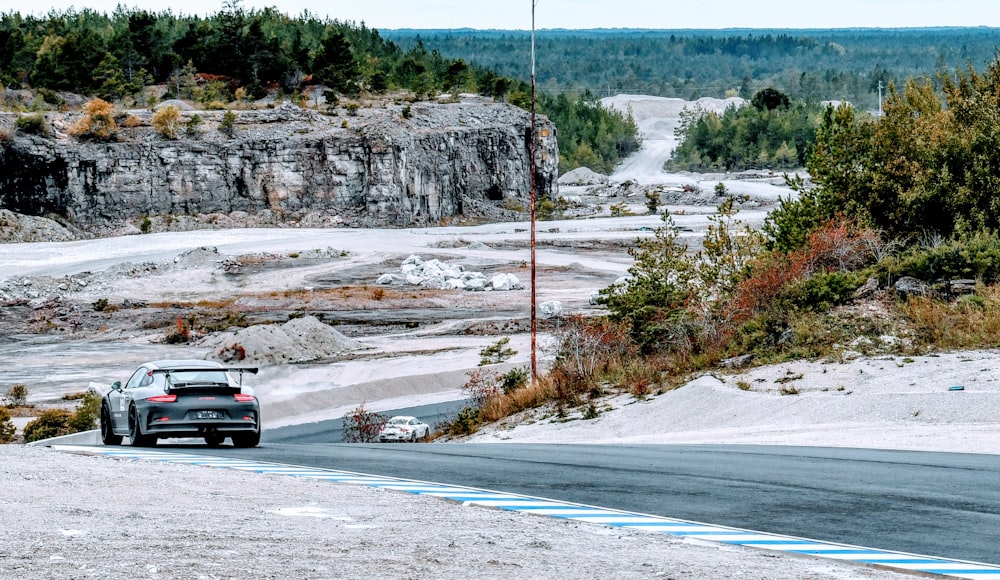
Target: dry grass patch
x,y
527,397
362,297
970,321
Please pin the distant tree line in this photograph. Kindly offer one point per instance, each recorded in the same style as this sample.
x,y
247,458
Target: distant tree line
x,y
810,65
116,56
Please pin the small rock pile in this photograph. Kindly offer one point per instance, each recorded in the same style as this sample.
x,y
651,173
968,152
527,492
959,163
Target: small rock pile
x,y
298,340
434,273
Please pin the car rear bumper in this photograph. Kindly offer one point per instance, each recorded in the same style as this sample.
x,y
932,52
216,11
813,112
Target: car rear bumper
x,y
165,420
198,429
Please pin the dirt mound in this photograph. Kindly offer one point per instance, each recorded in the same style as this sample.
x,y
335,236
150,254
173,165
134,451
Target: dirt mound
x,y
583,176
298,340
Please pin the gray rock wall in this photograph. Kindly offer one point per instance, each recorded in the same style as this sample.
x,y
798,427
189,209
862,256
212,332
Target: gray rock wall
x,y
376,168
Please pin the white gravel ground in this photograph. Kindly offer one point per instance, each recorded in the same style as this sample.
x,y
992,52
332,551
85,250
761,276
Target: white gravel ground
x,y
69,516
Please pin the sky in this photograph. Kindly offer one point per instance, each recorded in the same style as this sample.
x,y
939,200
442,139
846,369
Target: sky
x,y
578,14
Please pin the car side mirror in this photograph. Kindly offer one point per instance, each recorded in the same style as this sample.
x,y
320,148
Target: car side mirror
x,y
116,386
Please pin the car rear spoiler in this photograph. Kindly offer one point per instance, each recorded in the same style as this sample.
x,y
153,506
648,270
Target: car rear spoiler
x,y
240,370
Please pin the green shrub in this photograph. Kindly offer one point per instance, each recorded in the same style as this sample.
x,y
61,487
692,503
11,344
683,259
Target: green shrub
x,y
57,422
652,200
193,126
32,125
86,414
821,292
7,428
465,423
971,301
228,124
977,257
51,97
620,210
51,423
497,352
788,226
547,209
514,379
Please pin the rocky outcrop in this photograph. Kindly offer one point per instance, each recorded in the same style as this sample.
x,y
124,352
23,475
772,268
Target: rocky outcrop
x,y
386,165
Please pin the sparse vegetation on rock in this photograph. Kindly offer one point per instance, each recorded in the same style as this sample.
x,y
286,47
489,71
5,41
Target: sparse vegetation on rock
x,y
167,121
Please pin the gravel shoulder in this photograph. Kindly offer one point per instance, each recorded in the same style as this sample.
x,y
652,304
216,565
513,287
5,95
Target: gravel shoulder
x,y
69,516
946,402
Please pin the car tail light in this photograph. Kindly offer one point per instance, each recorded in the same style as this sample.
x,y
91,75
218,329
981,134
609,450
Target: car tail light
x,y
243,398
163,399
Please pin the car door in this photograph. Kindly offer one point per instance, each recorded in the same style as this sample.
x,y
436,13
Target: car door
x,y
121,399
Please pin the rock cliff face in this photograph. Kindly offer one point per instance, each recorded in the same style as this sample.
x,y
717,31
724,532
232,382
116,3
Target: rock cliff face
x,y
386,165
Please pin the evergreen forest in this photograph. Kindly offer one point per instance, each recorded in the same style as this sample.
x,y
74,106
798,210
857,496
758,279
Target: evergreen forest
x,y
770,133
810,65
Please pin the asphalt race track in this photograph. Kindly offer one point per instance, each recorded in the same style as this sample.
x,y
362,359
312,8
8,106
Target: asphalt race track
x,y
937,504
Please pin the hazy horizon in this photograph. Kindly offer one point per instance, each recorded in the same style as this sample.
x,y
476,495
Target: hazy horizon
x,y
587,14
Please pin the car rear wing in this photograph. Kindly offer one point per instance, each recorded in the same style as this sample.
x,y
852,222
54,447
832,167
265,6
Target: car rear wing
x,y
238,370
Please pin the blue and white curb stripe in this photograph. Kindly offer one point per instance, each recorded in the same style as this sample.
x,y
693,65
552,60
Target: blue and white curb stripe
x,y
581,513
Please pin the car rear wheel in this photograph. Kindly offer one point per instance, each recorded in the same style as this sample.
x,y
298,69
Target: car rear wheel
x,y
214,440
246,439
108,436
135,431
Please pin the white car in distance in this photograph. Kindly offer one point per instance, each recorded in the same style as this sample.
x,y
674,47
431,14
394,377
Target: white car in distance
x,y
403,428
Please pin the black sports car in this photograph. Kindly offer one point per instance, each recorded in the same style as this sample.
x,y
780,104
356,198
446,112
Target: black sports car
x,y
181,398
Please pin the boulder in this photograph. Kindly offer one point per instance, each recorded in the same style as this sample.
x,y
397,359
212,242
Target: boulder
x,y
505,282
866,290
908,286
550,309
962,287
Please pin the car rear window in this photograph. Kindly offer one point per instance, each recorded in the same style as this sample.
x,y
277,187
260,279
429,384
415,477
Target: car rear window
x,y
200,377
